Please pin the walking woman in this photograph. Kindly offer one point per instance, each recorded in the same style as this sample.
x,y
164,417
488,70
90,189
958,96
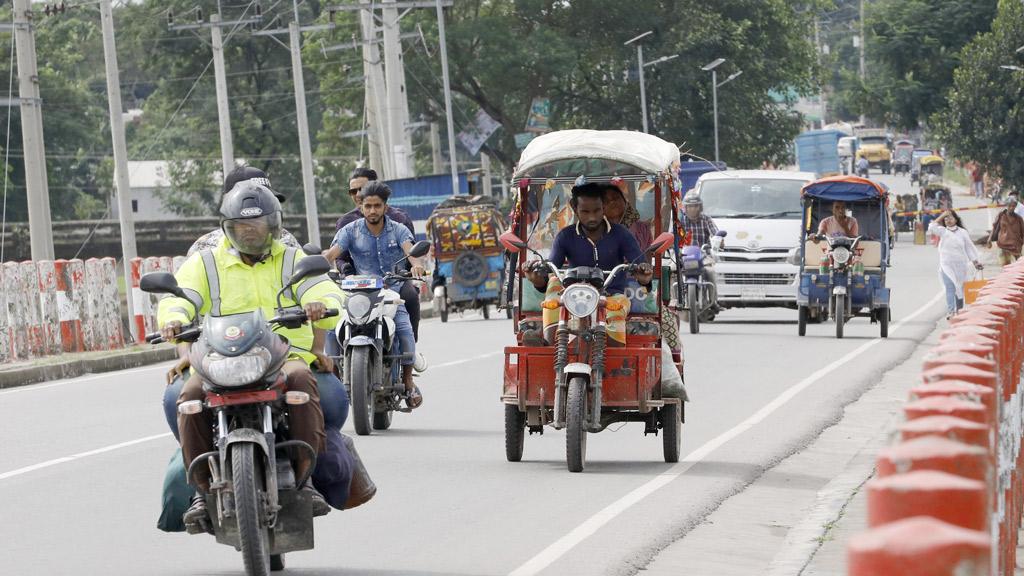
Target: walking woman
x,y
956,254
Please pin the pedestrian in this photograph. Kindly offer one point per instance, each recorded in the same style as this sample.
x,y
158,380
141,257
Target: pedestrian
x,y
977,180
956,254
1008,232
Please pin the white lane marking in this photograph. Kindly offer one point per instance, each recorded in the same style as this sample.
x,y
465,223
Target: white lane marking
x,y
34,387
80,455
591,525
113,447
467,360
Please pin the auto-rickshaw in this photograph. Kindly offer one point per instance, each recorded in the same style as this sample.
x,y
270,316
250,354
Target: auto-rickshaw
x,y
842,277
902,154
578,383
469,265
935,195
915,163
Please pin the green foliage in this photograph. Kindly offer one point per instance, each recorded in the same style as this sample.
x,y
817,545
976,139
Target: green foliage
x,y
913,47
984,120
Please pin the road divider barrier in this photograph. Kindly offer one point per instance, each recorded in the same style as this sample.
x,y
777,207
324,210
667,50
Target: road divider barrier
x,y
948,496
941,210
51,307
145,305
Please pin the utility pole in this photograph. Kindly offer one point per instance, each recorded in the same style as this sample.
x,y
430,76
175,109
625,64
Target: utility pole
x,y
435,147
121,180
485,173
305,151
863,68
227,147
397,102
452,158
378,133
37,188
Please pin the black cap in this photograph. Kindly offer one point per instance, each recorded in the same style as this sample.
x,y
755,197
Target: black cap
x,y
249,173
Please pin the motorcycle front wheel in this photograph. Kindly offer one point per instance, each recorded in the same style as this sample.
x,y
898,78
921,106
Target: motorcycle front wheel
x,y
694,313
247,482
840,314
362,396
575,426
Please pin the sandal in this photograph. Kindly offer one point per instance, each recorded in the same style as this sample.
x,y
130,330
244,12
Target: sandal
x,y
413,398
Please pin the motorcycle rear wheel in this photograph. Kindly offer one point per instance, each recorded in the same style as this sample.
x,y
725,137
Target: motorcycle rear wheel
x,y
362,396
694,310
247,481
575,426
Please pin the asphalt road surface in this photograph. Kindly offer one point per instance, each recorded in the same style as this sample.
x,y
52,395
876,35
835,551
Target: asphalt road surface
x,y
83,459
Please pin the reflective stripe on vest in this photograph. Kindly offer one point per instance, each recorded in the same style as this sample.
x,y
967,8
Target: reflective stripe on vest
x,y
212,280
287,269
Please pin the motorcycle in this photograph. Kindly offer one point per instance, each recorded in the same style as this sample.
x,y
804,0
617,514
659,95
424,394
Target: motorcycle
x,y
701,295
842,263
367,335
255,499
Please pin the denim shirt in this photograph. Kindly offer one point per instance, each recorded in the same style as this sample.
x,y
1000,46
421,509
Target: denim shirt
x,y
373,255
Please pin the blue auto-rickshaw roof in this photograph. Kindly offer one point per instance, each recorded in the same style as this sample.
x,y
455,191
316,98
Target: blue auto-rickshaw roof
x,y
845,188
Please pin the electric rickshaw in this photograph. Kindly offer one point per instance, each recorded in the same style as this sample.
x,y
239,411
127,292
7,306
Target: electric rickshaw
x,y
915,162
469,269
935,195
578,383
902,155
842,277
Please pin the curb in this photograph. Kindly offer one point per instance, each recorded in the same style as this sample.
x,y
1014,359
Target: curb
x,y
74,367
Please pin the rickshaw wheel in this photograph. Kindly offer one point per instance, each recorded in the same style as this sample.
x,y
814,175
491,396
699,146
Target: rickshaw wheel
x,y
801,322
487,312
575,431
382,420
671,432
840,313
883,321
508,312
515,433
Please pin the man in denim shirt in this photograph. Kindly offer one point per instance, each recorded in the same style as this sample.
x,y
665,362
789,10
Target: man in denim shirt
x,y
376,242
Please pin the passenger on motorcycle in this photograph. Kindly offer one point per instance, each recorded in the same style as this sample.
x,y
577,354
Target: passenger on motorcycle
x,y
596,242
376,243
699,228
243,273
410,295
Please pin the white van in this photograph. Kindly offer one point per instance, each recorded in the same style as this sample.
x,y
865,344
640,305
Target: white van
x,y
760,210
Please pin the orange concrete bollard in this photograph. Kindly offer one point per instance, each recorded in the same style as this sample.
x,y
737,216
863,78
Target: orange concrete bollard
x,y
963,373
950,498
946,406
935,453
920,546
958,389
955,356
959,429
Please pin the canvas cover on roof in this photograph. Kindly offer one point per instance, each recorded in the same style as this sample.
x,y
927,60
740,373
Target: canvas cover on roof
x,y
649,154
845,188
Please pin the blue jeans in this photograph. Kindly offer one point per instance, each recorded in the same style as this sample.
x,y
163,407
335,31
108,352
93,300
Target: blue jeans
x,y
333,401
953,304
406,343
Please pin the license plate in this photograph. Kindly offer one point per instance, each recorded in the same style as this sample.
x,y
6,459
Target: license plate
x,y
753,292
362,283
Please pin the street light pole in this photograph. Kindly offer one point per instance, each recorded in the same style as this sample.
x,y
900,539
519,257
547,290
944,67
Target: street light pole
x,y
640,70
714,95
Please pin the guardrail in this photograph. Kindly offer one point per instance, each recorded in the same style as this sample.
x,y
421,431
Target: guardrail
x,y
51,307
948,495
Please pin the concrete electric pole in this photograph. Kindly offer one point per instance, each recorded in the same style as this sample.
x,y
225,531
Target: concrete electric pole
x,y
121,181
397,97
36,187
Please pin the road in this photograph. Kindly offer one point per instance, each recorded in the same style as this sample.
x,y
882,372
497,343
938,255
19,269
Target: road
x,y
83,459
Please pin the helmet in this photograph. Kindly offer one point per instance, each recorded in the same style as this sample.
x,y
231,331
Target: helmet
x,y
692,198
251,218
243,173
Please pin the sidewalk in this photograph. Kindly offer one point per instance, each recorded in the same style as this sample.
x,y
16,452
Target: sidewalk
x,y
73,365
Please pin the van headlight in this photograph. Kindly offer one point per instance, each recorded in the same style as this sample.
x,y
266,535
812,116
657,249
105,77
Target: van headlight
x,y
840,255
581,299
357,307
228,371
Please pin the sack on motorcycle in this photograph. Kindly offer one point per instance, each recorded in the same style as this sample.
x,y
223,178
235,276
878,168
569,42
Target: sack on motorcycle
x,y
177,495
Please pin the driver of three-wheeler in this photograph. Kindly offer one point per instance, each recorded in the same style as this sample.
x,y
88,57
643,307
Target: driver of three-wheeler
x,y
593,241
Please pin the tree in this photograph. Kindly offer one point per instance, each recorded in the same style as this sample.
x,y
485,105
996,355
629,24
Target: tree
x,y
984,118
913,47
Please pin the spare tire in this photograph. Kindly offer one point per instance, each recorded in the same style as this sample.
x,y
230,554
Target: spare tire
x,y
470,269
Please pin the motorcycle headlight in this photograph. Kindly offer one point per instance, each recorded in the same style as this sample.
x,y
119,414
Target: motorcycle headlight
x,y
358,308
230,371
841,255
581,299
691,264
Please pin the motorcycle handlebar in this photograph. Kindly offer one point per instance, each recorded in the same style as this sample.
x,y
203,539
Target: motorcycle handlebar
x,y
299,317
186,335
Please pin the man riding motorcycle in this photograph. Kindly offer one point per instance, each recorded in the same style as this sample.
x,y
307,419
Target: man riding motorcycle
x,y
244,272
699,229
596,242
376,243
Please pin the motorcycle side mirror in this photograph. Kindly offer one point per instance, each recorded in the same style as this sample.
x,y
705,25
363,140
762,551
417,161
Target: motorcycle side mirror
x,y
309,266
721,233
660,244
420,249
511,242
311,249
161,283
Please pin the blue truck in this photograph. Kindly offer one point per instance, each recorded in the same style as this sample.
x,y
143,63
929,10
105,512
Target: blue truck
x,y
818,151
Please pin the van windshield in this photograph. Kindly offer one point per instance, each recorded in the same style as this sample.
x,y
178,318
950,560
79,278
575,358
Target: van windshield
x,y
752,198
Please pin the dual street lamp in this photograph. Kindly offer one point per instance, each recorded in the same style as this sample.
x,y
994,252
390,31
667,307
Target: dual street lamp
x,y
715,85
640,65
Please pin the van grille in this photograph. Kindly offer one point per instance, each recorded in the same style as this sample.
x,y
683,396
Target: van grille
x,y
759,279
